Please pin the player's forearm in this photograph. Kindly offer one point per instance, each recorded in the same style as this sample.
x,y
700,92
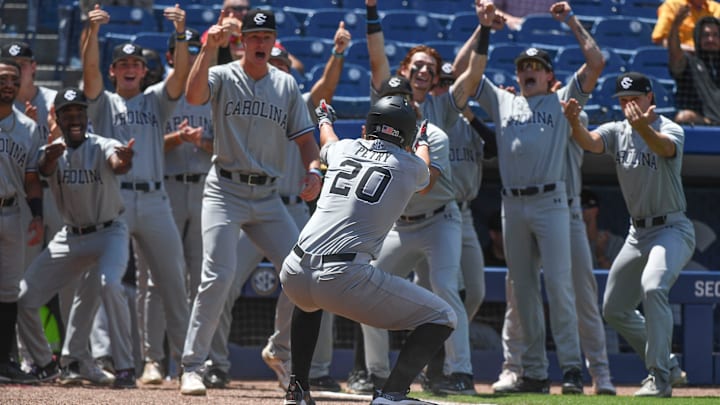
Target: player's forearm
x,y
327,134
379,64
172,140
462,59
33,187
589,141
175,82
92,78
657,142
197,91
325,87
309,151
676,56
594,60
468,81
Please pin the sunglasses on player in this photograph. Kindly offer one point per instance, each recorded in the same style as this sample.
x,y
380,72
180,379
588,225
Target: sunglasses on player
x,y
530,64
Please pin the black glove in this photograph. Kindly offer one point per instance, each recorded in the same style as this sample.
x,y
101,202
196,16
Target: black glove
x,y
325,113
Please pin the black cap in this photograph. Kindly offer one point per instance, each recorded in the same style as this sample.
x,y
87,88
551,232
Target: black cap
x,y
280,54
446,71
70,96
536,54
588,199
192,36
632,84
395,85
258,20
128,50
17,49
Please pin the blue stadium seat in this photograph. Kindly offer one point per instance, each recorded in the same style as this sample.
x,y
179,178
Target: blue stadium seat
x,y
305,4
310,50
301,80
571,58
197,16
502,56
602,107
501,77
354,80
448,7
411,26
128,20
664,99
652,61
351,107
384,5
625,34
287,24
357,52
156,41
646,9
447,49
323,23
542,29
461,26
595,8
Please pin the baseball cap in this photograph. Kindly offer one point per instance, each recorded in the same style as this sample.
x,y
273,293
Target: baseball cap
x,y
632,84
193,39
128,50
69,96
446,71
588,199
281,55
536,54
395,85
17,49
258,20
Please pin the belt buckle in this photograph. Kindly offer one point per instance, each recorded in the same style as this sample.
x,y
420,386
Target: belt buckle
x,y
252,182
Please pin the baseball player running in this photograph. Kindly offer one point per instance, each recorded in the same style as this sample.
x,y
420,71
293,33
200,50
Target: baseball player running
x,y
590,323
431,224
81,171
369,182
531,134
19,143
133,113
256,109
648,150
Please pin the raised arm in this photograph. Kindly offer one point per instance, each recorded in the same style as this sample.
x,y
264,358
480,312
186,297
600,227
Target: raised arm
x,y
590,141
92,78
379,64
468,81
589,72
676,57
197,89
175,82
324,88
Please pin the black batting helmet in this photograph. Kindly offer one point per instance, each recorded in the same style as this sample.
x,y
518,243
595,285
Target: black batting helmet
x,y
392,119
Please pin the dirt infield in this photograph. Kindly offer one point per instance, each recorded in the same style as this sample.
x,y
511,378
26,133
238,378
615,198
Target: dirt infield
x,y
240,392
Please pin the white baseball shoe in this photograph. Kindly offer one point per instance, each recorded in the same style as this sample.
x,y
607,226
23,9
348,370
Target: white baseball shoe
x,y
280,367
192,384
506,381
151,374
654,387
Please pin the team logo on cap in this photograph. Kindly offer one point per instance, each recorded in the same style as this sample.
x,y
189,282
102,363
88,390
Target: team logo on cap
x,y
531,52
394,82
447,68
626,82
260,19
128,49
14,50
276,52
70,95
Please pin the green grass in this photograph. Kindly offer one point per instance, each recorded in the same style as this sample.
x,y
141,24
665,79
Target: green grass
x,y
538,399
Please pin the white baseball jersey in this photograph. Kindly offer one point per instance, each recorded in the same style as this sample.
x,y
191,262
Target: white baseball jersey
x,y
43,100
650,184
187,158
373,174
140,117
86,169
532,133
248,113
19,144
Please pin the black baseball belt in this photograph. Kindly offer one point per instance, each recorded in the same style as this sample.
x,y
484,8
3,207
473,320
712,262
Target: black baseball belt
x,y
186,177
7,202
141,186
90,229
247,178
411,218
528,191
340,257
649,221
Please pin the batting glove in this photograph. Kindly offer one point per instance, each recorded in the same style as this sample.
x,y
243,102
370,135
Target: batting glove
x,y
421,138
325,113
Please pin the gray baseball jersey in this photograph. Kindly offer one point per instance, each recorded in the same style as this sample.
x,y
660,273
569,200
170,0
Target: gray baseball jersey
x,y
532,137
19,144
187,158
43,100
87,193
248,111
660,241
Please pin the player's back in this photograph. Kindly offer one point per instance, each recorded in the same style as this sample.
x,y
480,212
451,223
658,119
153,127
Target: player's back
x,y
367,185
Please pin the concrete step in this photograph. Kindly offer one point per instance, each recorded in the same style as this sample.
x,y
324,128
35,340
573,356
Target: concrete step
x,y
59,79
13,17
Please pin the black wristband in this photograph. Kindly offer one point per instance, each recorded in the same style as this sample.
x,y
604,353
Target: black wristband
x,y
373,20
483,42
36,207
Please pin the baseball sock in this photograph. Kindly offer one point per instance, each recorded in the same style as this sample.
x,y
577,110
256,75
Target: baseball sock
x,y
435,366
359,346
303,338
418,349
8,319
